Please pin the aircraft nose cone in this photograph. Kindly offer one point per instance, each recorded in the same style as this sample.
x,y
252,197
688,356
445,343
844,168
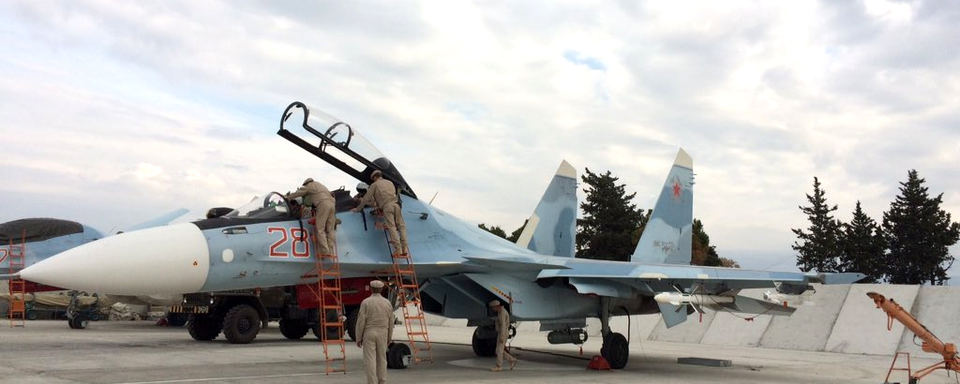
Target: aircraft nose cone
x,y
171,259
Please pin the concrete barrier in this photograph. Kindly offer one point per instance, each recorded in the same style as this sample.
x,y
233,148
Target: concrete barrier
x,y
734,329
936,307
809,328
861,327
691,331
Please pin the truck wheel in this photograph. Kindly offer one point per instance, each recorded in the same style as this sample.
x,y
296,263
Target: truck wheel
x,y
484,347
203,327
241,324
398,356
176,319
352,323
294,329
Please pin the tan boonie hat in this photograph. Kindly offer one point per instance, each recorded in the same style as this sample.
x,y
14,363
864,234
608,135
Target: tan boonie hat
x,y
376,284
495,303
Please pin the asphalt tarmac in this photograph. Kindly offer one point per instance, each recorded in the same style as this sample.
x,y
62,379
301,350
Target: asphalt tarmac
x,y
50,352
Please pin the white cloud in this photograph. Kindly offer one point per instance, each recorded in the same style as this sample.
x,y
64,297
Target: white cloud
x,y
482,101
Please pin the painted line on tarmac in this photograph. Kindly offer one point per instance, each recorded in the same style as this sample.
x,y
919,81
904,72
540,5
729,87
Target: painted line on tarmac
x,y
223,378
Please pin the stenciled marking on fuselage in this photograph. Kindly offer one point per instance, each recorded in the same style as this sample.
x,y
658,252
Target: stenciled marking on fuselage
x,y
299,236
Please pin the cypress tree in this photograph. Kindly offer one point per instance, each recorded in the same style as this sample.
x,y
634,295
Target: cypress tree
x,y
918,234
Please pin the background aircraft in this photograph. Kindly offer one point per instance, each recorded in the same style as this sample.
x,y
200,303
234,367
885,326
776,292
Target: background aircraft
x,y
461,267
45,237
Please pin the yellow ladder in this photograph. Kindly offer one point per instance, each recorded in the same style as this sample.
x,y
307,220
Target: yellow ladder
x,y
330,311
408,290
18,287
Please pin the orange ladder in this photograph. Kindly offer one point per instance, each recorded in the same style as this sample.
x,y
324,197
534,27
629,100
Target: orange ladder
x,y
18,287
408,290
331,311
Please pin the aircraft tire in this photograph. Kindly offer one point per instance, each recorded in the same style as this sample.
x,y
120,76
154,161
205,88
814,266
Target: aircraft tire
x,y
32,315
203,327
616,350
398,356
241,324
332,333
352,323
294,329
484,347
78,322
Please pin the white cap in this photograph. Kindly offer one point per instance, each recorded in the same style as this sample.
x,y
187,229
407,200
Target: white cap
x,y
495,303
376,284
308,180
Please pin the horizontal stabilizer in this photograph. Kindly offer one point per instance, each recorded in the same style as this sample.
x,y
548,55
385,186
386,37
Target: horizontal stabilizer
x,y
673,315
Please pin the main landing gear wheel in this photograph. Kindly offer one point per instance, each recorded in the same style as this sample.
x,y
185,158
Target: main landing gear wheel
x,y
294,329
204,327
241,324
398,356
616,350
484,347
78,322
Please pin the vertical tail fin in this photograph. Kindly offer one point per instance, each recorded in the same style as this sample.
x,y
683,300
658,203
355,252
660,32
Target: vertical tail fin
x,y
552,227
668,237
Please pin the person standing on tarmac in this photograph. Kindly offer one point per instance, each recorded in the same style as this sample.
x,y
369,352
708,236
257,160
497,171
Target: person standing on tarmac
x,y
374,332
319,198
503,333
383,195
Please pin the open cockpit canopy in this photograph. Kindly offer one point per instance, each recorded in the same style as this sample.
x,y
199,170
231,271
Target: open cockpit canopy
x,y
339,145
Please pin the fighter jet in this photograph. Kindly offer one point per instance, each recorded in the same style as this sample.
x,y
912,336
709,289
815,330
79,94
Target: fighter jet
x,y
461,267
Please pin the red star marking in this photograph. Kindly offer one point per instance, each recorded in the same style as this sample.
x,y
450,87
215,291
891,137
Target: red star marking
x,y
676,189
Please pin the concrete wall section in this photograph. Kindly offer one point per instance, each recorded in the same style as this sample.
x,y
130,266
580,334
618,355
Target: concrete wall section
x,y
733,329
691,331
938,308
809,327
861,327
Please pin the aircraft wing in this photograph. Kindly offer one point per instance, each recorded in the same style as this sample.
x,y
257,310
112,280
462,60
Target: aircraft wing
x,y
732,278
677,288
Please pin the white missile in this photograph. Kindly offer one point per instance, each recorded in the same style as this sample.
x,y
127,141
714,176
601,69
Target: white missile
x,y
170,259
678,299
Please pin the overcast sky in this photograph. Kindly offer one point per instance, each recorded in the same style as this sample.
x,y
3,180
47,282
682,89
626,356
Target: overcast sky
x,y
115,112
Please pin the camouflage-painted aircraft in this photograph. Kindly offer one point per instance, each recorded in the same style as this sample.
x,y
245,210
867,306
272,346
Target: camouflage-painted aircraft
x,y
42,238
461,267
